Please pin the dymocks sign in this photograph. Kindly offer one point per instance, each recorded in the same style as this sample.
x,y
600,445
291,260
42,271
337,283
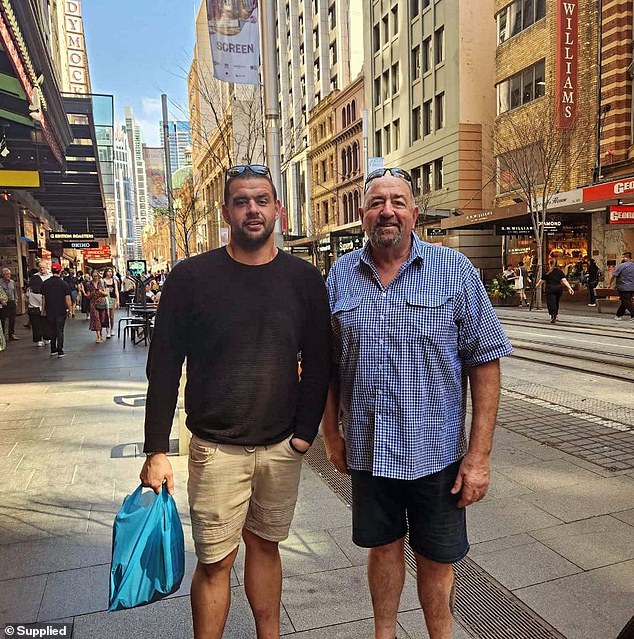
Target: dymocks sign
x,y
567,88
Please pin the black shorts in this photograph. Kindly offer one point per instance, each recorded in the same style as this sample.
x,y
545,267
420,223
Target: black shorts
x,y
382,509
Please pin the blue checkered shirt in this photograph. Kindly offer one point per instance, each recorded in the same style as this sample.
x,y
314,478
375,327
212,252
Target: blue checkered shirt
x,y
402,353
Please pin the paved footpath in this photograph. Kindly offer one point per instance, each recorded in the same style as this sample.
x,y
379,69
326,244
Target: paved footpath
x,y
555,533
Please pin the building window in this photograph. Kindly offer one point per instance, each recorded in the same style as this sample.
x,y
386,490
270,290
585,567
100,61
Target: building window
x,y
377,91
378,150
387,141
440,110
353,113
324,171
396,80
416,173
376,38
344,164
416,128
333,54
395,20
427,128
355,158
415,63
386,85
522,88
439,45
426,178
396,134
385,28
517,16
414,8
332,17
438,174
427,55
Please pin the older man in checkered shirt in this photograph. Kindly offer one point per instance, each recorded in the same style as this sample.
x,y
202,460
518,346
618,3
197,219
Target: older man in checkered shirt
x,y
411,323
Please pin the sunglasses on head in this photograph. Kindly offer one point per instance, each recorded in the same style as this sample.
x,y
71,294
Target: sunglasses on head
x,y
240,169
395,171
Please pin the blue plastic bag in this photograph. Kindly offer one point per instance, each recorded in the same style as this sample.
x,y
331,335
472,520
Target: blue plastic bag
x,y
148,550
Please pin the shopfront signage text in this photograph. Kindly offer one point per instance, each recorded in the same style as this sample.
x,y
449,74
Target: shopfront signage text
x,y
621,215
435,232
76,48
526,229
57,235
609,190
567,91
80,245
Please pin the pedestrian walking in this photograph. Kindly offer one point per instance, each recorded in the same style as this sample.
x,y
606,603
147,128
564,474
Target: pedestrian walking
x,y
112,286
3,302
241,315
624,278
8,312
521,283
555,281
590,278
85,298
71,280
34,303
411,322
99,304
56,307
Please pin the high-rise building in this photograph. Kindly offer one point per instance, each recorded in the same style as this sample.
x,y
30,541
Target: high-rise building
x,y
143,210
179,139
429,76
319,49
127,249
227,127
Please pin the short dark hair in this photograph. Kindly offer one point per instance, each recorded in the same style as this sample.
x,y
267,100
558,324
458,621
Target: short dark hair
x,y
628,255
247,175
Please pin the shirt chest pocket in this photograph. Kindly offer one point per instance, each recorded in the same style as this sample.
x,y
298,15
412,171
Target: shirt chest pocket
x,y
429,315
347,317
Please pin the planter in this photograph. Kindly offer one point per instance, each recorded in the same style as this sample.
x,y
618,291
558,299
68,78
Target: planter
x,y
513,300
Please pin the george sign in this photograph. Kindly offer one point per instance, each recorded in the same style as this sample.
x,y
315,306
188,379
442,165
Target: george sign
x,y
57,235
80,245
609,190
234,37
621,215
566,87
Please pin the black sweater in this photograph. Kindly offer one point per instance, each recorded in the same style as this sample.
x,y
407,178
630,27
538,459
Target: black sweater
x,y
241,328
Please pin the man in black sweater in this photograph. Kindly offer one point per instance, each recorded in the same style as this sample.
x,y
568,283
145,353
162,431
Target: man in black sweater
x,y
243,315
56,307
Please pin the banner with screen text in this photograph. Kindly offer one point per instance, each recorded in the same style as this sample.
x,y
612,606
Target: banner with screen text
x,y
234,33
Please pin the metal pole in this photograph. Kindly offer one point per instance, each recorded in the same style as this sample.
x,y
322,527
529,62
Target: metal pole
x,y
168,179
271,101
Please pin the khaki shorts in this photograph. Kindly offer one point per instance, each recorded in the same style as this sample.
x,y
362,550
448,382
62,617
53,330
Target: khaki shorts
x,y
235,487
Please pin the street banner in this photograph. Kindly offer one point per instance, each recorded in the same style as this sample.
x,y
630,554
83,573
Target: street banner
x,y
234,37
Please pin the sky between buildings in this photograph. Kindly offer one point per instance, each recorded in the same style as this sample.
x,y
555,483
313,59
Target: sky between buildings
x,y
138,49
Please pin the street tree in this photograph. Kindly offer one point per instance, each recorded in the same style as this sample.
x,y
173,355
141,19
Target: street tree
x,y
536,158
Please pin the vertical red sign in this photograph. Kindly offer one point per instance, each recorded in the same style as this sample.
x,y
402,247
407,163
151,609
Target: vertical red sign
x,y
566,87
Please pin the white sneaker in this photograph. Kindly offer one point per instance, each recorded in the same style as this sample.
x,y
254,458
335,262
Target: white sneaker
x,y
40,343
47,341
591,304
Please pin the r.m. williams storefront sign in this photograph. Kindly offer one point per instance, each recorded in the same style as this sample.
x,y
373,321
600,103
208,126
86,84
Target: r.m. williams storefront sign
x,y
567,88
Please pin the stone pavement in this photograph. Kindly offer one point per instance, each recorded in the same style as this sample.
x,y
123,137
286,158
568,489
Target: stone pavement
x,y
556,531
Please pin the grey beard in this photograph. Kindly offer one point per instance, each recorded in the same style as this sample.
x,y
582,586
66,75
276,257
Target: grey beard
x,y
379,240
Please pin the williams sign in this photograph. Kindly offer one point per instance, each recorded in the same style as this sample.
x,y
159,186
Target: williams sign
x,y
567,88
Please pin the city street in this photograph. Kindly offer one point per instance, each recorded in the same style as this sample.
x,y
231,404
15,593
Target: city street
x,y
552,543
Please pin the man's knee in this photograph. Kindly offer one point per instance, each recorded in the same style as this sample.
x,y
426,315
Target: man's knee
x,y
393,551
255,542
217,567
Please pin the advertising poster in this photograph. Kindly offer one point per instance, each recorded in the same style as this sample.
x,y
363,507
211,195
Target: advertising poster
x,y
233,32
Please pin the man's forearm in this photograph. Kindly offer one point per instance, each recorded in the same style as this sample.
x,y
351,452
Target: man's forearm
x,y
330,420
485,397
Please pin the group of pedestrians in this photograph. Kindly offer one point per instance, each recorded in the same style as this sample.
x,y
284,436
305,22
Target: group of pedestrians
x,y
407,323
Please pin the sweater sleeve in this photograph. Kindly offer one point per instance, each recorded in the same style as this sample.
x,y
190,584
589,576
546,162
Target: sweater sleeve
x,y
315,378
167,353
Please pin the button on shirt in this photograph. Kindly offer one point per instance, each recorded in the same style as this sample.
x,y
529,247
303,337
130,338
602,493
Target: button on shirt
x,y
402,354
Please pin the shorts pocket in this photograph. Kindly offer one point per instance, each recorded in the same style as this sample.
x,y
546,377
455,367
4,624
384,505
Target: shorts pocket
x,y
201,451
295,453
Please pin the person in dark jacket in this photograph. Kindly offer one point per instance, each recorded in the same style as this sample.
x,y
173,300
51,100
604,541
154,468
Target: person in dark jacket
x,y
56,307
554,280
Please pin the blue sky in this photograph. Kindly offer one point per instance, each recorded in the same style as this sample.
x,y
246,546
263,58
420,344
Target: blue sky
x,y
138,49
